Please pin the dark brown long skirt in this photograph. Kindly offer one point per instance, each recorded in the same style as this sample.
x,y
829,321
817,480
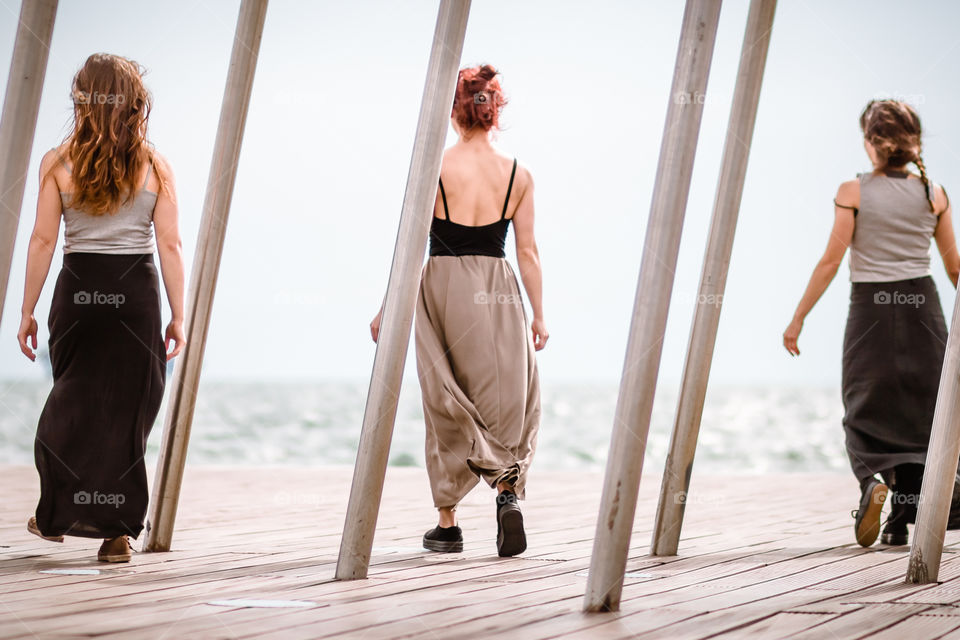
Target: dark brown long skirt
x,y
109,370
893,352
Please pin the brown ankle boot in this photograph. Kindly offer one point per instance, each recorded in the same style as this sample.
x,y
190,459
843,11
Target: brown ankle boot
x,y
115,550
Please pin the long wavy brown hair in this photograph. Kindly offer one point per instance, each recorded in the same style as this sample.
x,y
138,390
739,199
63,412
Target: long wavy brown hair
x,y
893,128
108,147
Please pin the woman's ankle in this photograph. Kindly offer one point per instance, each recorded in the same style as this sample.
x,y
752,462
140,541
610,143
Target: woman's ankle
x,y
447,517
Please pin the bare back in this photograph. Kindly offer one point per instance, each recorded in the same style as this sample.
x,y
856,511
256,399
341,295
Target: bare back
x,y
476,183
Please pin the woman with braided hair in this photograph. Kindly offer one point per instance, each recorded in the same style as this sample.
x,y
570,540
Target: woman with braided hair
x,y
895,336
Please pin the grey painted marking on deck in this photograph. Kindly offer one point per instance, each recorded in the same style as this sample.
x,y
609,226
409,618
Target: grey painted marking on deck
x,y
73,572
241,602
386,550
627,576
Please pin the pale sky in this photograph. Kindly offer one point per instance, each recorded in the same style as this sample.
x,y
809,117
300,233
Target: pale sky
x,y
330,131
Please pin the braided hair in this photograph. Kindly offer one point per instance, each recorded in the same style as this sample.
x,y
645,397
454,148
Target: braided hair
x,y
893,128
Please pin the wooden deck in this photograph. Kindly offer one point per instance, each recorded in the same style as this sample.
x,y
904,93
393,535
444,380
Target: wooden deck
x,y
763,557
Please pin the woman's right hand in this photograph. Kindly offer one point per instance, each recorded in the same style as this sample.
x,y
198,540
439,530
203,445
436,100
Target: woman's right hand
x,y
375,325
28,329
791,335
540,334
174,334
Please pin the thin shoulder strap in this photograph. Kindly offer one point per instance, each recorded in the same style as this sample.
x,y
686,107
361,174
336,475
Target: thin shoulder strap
x,y
63,161
146,179
509,189
443,194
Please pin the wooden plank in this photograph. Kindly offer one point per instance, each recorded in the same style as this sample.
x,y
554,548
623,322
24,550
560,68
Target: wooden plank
x,y
731,577
862,622
778,625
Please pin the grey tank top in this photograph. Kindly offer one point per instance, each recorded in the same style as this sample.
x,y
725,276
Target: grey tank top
x,y
892,229
128,230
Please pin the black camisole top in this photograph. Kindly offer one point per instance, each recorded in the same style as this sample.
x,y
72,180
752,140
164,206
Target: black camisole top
x,y
448,238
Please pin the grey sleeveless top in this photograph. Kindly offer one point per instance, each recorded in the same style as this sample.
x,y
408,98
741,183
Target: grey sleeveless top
x,y
128,230
892,229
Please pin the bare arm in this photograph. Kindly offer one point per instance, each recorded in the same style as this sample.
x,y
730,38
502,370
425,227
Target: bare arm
x,y
528,259
826,269
40,252
946,241
170,247
375,323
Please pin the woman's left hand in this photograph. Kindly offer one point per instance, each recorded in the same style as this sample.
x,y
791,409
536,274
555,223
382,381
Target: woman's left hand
x,y
791,335
28,330
174,334
540,334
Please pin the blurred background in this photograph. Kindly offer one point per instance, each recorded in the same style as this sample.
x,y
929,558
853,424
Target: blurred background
x,y
324,164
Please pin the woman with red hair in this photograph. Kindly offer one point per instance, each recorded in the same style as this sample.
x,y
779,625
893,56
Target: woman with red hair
x,y
108,351
475,348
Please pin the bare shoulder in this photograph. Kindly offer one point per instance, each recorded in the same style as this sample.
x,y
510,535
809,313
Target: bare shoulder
x,y
524,178
940,199
162,164
50,159
849,193
449,160
162,180
53,165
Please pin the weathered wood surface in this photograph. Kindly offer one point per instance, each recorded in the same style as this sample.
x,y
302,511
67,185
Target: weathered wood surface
x,y
761,557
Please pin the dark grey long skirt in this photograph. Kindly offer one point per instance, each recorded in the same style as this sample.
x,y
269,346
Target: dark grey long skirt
x,y
893,351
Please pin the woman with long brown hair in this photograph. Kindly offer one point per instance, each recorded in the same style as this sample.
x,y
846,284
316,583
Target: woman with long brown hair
x,y
475,347
895,337
107,347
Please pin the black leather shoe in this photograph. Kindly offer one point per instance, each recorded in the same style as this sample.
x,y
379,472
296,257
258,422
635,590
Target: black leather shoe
x,y
444,539
511,539
894,534
867,518
953,520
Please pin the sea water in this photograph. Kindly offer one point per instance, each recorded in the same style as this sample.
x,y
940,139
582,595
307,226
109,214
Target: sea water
x,y
744,429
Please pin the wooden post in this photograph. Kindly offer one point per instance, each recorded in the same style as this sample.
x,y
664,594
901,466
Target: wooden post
x,y
941,466
635,402
203,275
421,192
18,124
706,317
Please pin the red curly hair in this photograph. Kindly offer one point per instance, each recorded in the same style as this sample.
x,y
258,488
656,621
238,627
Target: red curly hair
x,y
478,99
